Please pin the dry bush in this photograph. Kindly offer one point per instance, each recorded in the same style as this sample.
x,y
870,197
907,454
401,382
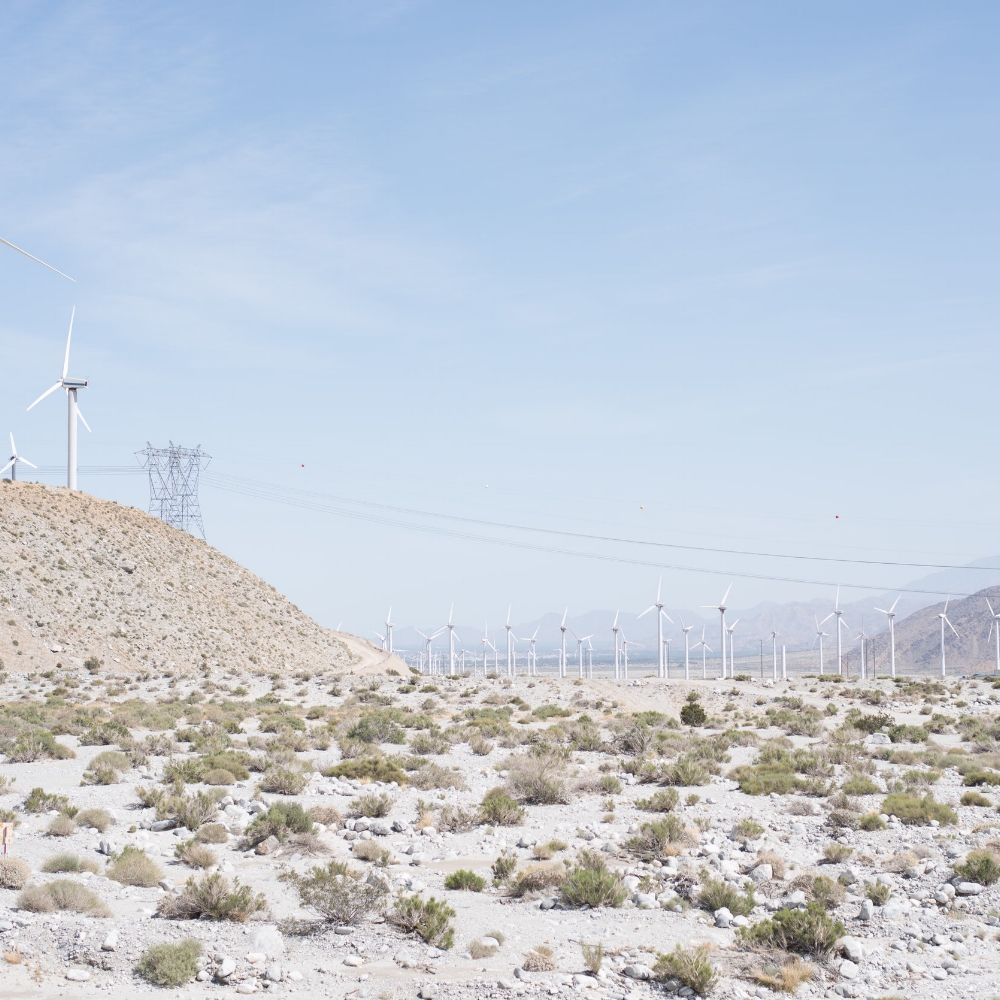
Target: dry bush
x,y
539,776
537,879
62,895
480,747
785,977
899,862
478,950
455,819
691,968
340,894
327,815
800,807
308,845
837,853
435,776
283,781
776,861
539,959
372,851
196,855
219,776
14,873
97,819
135,867
61,826
212,833
59,863
371,806
214,898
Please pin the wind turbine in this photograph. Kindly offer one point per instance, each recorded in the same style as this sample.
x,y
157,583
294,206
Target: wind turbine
x,y
863,637
687,649
615,630
732,653
486,645
451,642
508,628
590,658
625,645
71,385
704,645
890,614
388,629
579,648
14,459
428,639
562,649
819,635
994,627
36,259
721,608
381,638
944,618
840,621
666,658
660,615
774,650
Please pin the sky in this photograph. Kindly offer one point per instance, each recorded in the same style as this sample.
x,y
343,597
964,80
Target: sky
x,y
715,275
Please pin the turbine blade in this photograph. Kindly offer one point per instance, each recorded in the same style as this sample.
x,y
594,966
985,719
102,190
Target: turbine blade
x,y
882,610
894,603
646,612
83,419
828,617
13,451
665,615
26,462
616,618
723,601
7,466
34,258
68,338
565,613
990,606
46,393
952,627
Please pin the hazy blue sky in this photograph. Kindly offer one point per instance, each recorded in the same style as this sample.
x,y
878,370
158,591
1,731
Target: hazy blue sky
x,y
709,274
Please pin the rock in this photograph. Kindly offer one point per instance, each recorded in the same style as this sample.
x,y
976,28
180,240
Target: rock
x,y
878,740
762,873
490,942
203,976
163,824
852,949
506,984
267,939
274,974
343,929
527,840
295,976
353,961
247,987
939,973
646,901
268,846
968,888
427,992
519,973
798,828
78,975
848,969
398,826
256,957
362,824
867,910
723,918
110,943
226,969
796,898
107,847
640,972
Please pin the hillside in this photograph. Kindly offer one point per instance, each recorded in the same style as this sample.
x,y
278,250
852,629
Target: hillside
x,y
82,577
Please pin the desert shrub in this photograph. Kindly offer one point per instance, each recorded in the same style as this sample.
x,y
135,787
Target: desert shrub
x,y
61,826
499,809
544,852
424,743
371,805
540,959
593,957
806,932
219,776
170,965
191,811
281,819
590,883
977,776
911,810
380,726
828,893
466,880
14,873
843,818
871,822
32,744
785,978
455,819
134,867
196,854
433,775
480,746
692,714
372,851
776,861
212,833
370,768
878,892
748,829
975,799
980,866
480,950
691,968
837,853
106,734
338,893
279,780
327,815
429,919
662,801
503,867
716,894
686,771
858,784
537,878
610,785
662,837
59,863
213,898
97,819
539,776
39,801
62,895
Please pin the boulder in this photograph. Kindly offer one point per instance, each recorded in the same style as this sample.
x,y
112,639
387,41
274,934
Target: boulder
x,y
268,940
867,910
78,975
226,969
852,949
268,846
762,873
723,917
641,972
968,888
848,970
110,942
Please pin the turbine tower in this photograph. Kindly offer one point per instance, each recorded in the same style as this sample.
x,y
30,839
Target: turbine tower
x,y
625,646
840,621
14,459
819,635
704,645
579,648
721,608
508,627
944,619
388,629
562,648
451,642
732,652
71,385
687,649
615,630
660,615
994,627
890,614
774,650
428,639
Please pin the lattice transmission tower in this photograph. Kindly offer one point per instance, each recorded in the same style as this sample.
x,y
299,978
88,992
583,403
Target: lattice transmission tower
x,y
173,485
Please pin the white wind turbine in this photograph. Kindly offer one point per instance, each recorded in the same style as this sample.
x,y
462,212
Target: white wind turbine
x,y
590,658
721,608
994,627
71,385
388,630
451,642
774,650
625,646
660,615
36,259
615,630
819,635
381,638
863,638
891,614
944,618
508,627
14,459
732,652
704,645
562,648
486,647
840,622
687,649
428,639
579,648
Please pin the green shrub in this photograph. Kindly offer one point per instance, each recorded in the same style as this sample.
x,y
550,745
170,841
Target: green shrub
x,y
62,895
861,785
97,819
60,863
662,801
828,893
499,809
871,822
716,894
504,866
39,801
377,727
219,776
911,810
279,780
610,785
465,880
213,833
170,965
428,919
213,898
975,799
61,826
662,837
340,894
281,819
372,806
837,853
980,866
193,811
591,883
134,867
370,768
690,968
981,777
748,829
806,932
692,714
878,892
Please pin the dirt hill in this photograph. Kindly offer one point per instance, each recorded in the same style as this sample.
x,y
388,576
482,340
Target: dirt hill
x,y
82,577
